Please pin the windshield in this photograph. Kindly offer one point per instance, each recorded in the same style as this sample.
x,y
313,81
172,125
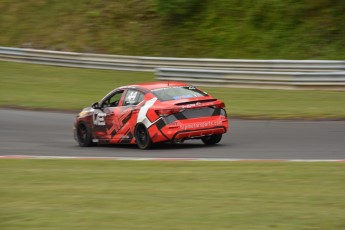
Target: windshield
x,y
176,93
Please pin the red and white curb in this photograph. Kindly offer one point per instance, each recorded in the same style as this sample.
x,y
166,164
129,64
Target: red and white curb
x,y
167,159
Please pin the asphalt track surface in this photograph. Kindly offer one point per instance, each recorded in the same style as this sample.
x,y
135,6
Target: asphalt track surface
x,y
50,134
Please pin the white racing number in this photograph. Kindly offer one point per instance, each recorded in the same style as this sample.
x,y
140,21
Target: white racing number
x,y
131,97
98,118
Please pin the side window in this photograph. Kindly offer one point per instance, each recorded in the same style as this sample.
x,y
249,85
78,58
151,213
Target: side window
x,y
140,98
133,97
114,100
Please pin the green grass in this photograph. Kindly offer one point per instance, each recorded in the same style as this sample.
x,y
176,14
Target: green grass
x,y
74,194
38,86
265,29
47,87
283,104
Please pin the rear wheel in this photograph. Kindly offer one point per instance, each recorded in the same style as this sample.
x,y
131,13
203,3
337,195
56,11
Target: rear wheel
x,y
84,136
142,137
212,139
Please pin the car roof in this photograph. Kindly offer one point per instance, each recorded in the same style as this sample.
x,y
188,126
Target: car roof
x,y
157,85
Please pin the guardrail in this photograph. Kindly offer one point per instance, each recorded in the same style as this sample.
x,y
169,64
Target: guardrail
x,y
255,79
138,63
285,74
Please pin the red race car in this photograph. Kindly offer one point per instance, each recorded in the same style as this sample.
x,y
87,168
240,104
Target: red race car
x,y
150,113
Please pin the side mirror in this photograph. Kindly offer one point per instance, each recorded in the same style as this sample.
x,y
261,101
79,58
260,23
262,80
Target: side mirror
x,y
95,105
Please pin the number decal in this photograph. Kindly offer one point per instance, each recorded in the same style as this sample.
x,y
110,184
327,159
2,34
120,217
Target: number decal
x,y
131,97
98,118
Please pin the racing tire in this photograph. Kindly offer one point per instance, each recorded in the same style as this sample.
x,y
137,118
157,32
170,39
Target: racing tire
x,y
142,137
212,139
84,135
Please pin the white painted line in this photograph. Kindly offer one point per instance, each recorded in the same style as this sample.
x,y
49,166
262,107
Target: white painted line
x,y
168,159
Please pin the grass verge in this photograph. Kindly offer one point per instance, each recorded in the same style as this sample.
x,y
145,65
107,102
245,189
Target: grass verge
x,y
74,194
48,87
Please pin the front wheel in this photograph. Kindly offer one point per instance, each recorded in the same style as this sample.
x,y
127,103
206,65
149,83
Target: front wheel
x,y
84,136
142,137
212,139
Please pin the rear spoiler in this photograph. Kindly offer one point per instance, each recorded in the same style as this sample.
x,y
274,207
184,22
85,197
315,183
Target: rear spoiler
x,y
197,101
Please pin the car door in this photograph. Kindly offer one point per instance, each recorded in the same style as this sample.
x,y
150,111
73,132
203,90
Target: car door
x,y
120,119
102,117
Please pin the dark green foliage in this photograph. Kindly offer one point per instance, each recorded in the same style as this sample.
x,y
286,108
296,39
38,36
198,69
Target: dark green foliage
x,y
265,29
177,11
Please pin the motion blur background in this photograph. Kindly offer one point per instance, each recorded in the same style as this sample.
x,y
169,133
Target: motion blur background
x,y
265,29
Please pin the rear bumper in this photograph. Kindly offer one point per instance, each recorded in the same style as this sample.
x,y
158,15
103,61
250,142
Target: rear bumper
x,y
190,134
180,130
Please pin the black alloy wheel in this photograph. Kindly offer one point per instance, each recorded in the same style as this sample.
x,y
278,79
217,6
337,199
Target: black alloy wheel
x,y
142,137
212,139
84,136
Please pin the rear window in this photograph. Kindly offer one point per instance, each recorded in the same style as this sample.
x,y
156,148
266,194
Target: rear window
x,y
176,93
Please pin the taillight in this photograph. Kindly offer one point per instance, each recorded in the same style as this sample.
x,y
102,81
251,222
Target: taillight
x,y
166,112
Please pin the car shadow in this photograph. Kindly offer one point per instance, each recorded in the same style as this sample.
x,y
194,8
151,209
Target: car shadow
x,y
160,146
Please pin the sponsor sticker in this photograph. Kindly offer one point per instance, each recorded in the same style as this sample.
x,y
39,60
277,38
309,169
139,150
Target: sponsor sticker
x,y
200,125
